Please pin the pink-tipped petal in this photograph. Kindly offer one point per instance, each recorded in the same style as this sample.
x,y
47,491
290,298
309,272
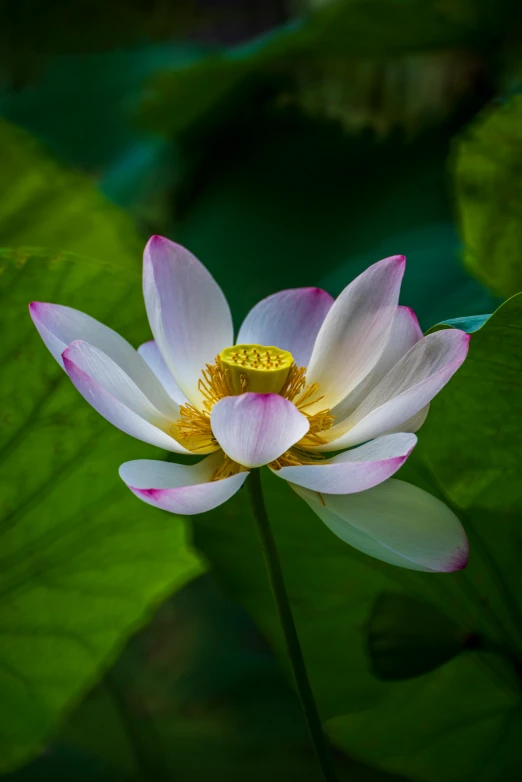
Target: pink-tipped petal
x,y
395,522
180,488
188,313
405,333
255,429
356,331
150,353
405,391
117,398
290,319
59,326
356,470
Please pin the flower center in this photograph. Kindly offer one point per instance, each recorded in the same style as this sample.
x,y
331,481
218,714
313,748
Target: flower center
x,y
258,368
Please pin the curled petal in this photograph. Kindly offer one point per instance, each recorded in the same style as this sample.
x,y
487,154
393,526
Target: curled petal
x,y
117,397
356,470
290,320
180,488
395,522
255,429
59,326
188,313
356,330
407,388
405,333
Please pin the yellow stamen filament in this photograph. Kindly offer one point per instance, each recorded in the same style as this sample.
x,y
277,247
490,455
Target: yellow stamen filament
x,y
227,469
193,429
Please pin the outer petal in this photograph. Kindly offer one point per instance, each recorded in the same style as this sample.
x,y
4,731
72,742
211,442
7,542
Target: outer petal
x,y
188,313
59,326
115,396
356,331
179,488
405,390
289,319
255,429
356,470
397,523
150,353
405,333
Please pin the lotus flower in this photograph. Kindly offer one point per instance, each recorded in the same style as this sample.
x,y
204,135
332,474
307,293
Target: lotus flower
x,y
306,376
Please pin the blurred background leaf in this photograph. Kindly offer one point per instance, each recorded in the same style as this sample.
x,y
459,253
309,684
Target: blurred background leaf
x,y
488,165
407,637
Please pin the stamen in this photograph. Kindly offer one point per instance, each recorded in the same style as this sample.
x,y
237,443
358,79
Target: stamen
x,y
226,469
243,369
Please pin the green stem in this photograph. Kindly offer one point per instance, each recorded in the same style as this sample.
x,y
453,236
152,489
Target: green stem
x,y
284,611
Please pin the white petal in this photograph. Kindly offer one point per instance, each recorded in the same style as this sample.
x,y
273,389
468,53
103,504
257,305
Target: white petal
x,y
405,390
356,470
255,429
59,326
290,320
356,331
150,353
188,313
180,488
405,333
397,523
117,398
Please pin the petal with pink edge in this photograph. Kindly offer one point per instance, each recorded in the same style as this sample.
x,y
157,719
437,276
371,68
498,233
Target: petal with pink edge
x,y
356,331
179,488
356,470
255,429
397,523
150,353
59,326
117,398
407,388
290,320
405,333
188,313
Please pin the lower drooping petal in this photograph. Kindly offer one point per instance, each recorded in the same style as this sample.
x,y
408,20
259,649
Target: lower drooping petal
x,y
356,470
289,320
179,488
395,522
150,353
407,388
117,398
255,429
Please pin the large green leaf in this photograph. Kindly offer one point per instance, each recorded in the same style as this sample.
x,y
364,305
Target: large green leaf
x,y
440,726
81,562
488,169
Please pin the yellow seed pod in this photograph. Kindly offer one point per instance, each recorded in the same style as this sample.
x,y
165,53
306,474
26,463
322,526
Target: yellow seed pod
x,y
259,368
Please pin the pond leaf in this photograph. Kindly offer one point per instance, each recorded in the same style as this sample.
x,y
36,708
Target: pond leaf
x,y
81,563
407,637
